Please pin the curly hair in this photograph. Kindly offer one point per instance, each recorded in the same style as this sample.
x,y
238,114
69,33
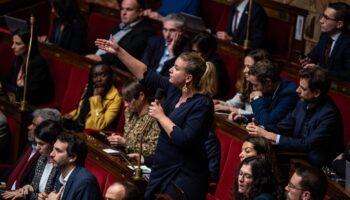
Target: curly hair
x,y
264,181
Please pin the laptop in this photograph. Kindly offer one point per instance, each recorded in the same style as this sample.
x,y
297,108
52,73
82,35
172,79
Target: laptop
x,y
193,23
15,24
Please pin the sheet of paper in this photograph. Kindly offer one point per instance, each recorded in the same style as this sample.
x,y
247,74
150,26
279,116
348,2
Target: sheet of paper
x,y
111,151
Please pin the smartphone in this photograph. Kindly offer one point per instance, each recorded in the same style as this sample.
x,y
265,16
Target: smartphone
x,y
103,134
300,54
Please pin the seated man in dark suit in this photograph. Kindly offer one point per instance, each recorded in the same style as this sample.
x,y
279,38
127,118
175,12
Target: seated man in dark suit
x,y
161,52
333,49
237,25
272,98
75,182
314,127
131,34
23,171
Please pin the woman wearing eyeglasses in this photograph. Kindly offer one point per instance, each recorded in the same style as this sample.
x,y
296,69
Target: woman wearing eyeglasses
x,y
256,181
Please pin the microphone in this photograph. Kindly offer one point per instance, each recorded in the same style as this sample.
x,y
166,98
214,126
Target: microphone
x,y
138,172
159,95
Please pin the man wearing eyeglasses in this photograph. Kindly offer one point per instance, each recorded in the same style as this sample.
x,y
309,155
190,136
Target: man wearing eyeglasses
x,y
307,183
333,49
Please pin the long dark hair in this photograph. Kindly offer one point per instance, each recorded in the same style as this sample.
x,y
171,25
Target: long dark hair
x,y
25,37
264,181
89,92
243,86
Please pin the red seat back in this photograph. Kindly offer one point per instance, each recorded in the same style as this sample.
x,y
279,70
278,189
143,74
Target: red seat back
x,y
224,190
232,65
60,72
7,58
99,26
78,78
342,102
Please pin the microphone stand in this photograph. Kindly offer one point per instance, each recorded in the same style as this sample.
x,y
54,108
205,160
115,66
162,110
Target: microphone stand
x,y
24,103
138,171
246,43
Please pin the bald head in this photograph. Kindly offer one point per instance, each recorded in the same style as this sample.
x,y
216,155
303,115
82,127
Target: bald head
x,y
115,192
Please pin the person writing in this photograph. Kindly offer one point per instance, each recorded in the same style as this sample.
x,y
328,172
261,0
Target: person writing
x,y
185,118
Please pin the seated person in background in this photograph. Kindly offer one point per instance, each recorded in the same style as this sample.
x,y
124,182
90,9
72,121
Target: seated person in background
x,y
131,34
307,183
75,182
170,6
23,171
137,121
272,98
313,125
237,25
339,163
240,103
333,48
161,52
4,135
123,191
45,174
69,26
261,147
40,85
205,45
255,180
99,104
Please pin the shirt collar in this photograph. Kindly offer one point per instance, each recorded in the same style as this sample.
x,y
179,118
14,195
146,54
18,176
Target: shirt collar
x,y
126,26
242,5
335,36
64,180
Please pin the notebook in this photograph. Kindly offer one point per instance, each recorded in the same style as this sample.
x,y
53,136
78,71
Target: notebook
x,y
15,24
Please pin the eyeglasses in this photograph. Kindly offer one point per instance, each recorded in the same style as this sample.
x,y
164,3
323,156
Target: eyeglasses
x,y
327,18
291,186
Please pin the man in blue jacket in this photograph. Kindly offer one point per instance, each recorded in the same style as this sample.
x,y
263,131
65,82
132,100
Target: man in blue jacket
x,y
272,98
314,127
75,182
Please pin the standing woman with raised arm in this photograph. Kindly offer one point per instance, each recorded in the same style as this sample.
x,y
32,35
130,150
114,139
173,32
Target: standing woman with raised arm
x,y
180,162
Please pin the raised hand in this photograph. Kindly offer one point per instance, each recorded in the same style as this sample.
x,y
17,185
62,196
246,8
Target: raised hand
x,y
110,46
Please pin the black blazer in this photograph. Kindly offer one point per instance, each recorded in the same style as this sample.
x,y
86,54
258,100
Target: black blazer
x,y
73,37
40,85
339,61
258,28
154,52
133,42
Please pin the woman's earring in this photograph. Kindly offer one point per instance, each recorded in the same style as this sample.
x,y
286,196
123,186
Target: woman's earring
x,y
184,89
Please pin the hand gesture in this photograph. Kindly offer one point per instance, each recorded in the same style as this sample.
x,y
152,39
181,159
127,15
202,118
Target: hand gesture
x,y
135,156
176,40
222,35
94,57
110,46
12,194
156,110
42,195
55,195
115,140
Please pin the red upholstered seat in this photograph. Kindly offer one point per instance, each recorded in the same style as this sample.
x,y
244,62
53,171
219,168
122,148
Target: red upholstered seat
x,y
99,26
78,78
59,72
231,63
7,58
342,102
295,79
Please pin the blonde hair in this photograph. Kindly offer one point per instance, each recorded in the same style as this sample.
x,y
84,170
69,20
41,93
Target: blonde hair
x,y
203,74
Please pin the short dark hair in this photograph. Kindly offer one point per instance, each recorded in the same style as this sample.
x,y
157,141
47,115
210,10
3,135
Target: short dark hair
x,y
342,12
313,180
48,131
264,70
76,146
131,191
205,42
132,88
259,54
317,79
